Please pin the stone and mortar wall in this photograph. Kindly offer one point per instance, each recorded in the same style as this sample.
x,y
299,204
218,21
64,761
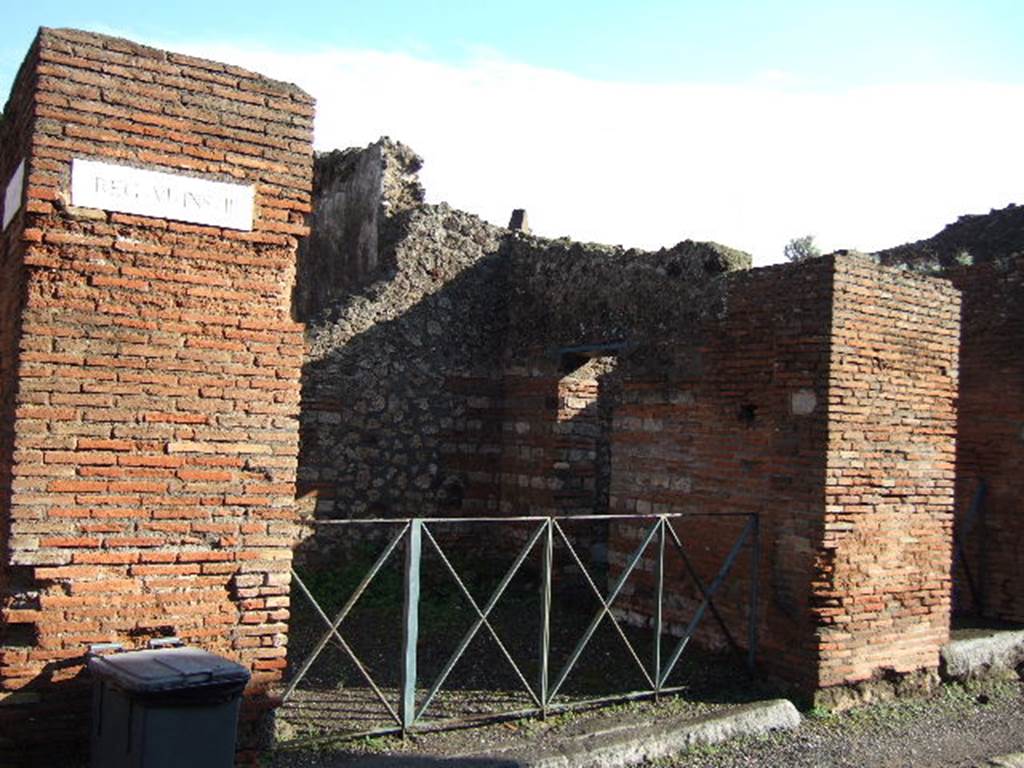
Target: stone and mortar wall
x,y
990,437
428,387
155,436
716,400
401,386
152,454
556,426
610,301
565,294
360,196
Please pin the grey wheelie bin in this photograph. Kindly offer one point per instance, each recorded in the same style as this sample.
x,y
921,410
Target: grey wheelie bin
x,y
168,707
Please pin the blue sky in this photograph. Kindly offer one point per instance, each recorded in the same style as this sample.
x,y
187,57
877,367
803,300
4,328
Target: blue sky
x,y
643,122
822,43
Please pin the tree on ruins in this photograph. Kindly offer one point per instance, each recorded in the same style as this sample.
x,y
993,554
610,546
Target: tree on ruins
x,y
801,249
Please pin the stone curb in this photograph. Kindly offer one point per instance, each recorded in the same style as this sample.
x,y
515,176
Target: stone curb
x,y
655,739
998,653
1015,760
619,745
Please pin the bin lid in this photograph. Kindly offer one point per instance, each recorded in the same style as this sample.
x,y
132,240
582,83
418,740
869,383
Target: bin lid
x,y
168,669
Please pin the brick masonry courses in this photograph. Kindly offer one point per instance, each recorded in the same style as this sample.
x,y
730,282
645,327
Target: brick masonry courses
x,y
824,403
150,378
982,255
890,474
990,435
151,446
719,435
819,396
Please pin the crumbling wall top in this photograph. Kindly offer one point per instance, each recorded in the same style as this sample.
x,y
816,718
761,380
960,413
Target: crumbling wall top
x,y
568,293
971,239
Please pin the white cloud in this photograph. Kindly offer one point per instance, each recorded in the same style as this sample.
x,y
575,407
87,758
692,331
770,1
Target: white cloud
x,y
648,165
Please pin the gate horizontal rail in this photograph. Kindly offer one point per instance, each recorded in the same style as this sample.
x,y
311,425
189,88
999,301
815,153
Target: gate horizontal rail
x,y
415,534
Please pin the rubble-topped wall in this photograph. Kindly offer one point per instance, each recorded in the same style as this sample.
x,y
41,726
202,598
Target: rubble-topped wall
x,y
563,294
572,302
361,194
150,384
480,369
971,239
401,379
410,383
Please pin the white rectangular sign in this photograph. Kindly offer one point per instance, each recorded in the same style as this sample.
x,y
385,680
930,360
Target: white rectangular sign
x,y
12,195
162,195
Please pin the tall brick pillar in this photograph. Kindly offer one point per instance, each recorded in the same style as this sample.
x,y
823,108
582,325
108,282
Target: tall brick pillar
x,y
881,596
149,368
825,403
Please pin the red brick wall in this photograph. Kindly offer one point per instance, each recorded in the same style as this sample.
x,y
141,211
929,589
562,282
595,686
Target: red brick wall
x,y
552,458
15,130
472,447
719,436
990,436
530,410
823,401
889,484
155,435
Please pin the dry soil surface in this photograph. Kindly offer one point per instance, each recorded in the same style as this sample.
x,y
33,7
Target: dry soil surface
x,y
956,727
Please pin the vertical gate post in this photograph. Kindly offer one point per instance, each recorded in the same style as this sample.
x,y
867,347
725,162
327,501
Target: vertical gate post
x,y
755,579
659,598
410,622
547,551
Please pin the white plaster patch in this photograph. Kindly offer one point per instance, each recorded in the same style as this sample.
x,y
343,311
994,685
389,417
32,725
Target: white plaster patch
x,y
12,195
803,402
161,195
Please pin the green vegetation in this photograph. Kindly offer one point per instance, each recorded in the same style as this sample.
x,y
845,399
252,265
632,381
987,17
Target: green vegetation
x,y
801,249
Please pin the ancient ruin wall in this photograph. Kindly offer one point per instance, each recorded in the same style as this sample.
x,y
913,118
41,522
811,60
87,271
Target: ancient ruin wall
x,y
883,600
401,386
155,431
990,439
717,406
714,397
360,196
15,134
571,306
981,254
430,345
822,401
737,424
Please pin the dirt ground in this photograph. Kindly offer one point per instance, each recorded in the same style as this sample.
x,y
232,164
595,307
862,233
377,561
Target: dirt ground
x,y
958,726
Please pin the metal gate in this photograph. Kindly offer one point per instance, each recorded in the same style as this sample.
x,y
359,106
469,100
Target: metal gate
x,y
658,536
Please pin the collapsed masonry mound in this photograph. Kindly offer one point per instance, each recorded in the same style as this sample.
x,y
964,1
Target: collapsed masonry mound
x,y
971,239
